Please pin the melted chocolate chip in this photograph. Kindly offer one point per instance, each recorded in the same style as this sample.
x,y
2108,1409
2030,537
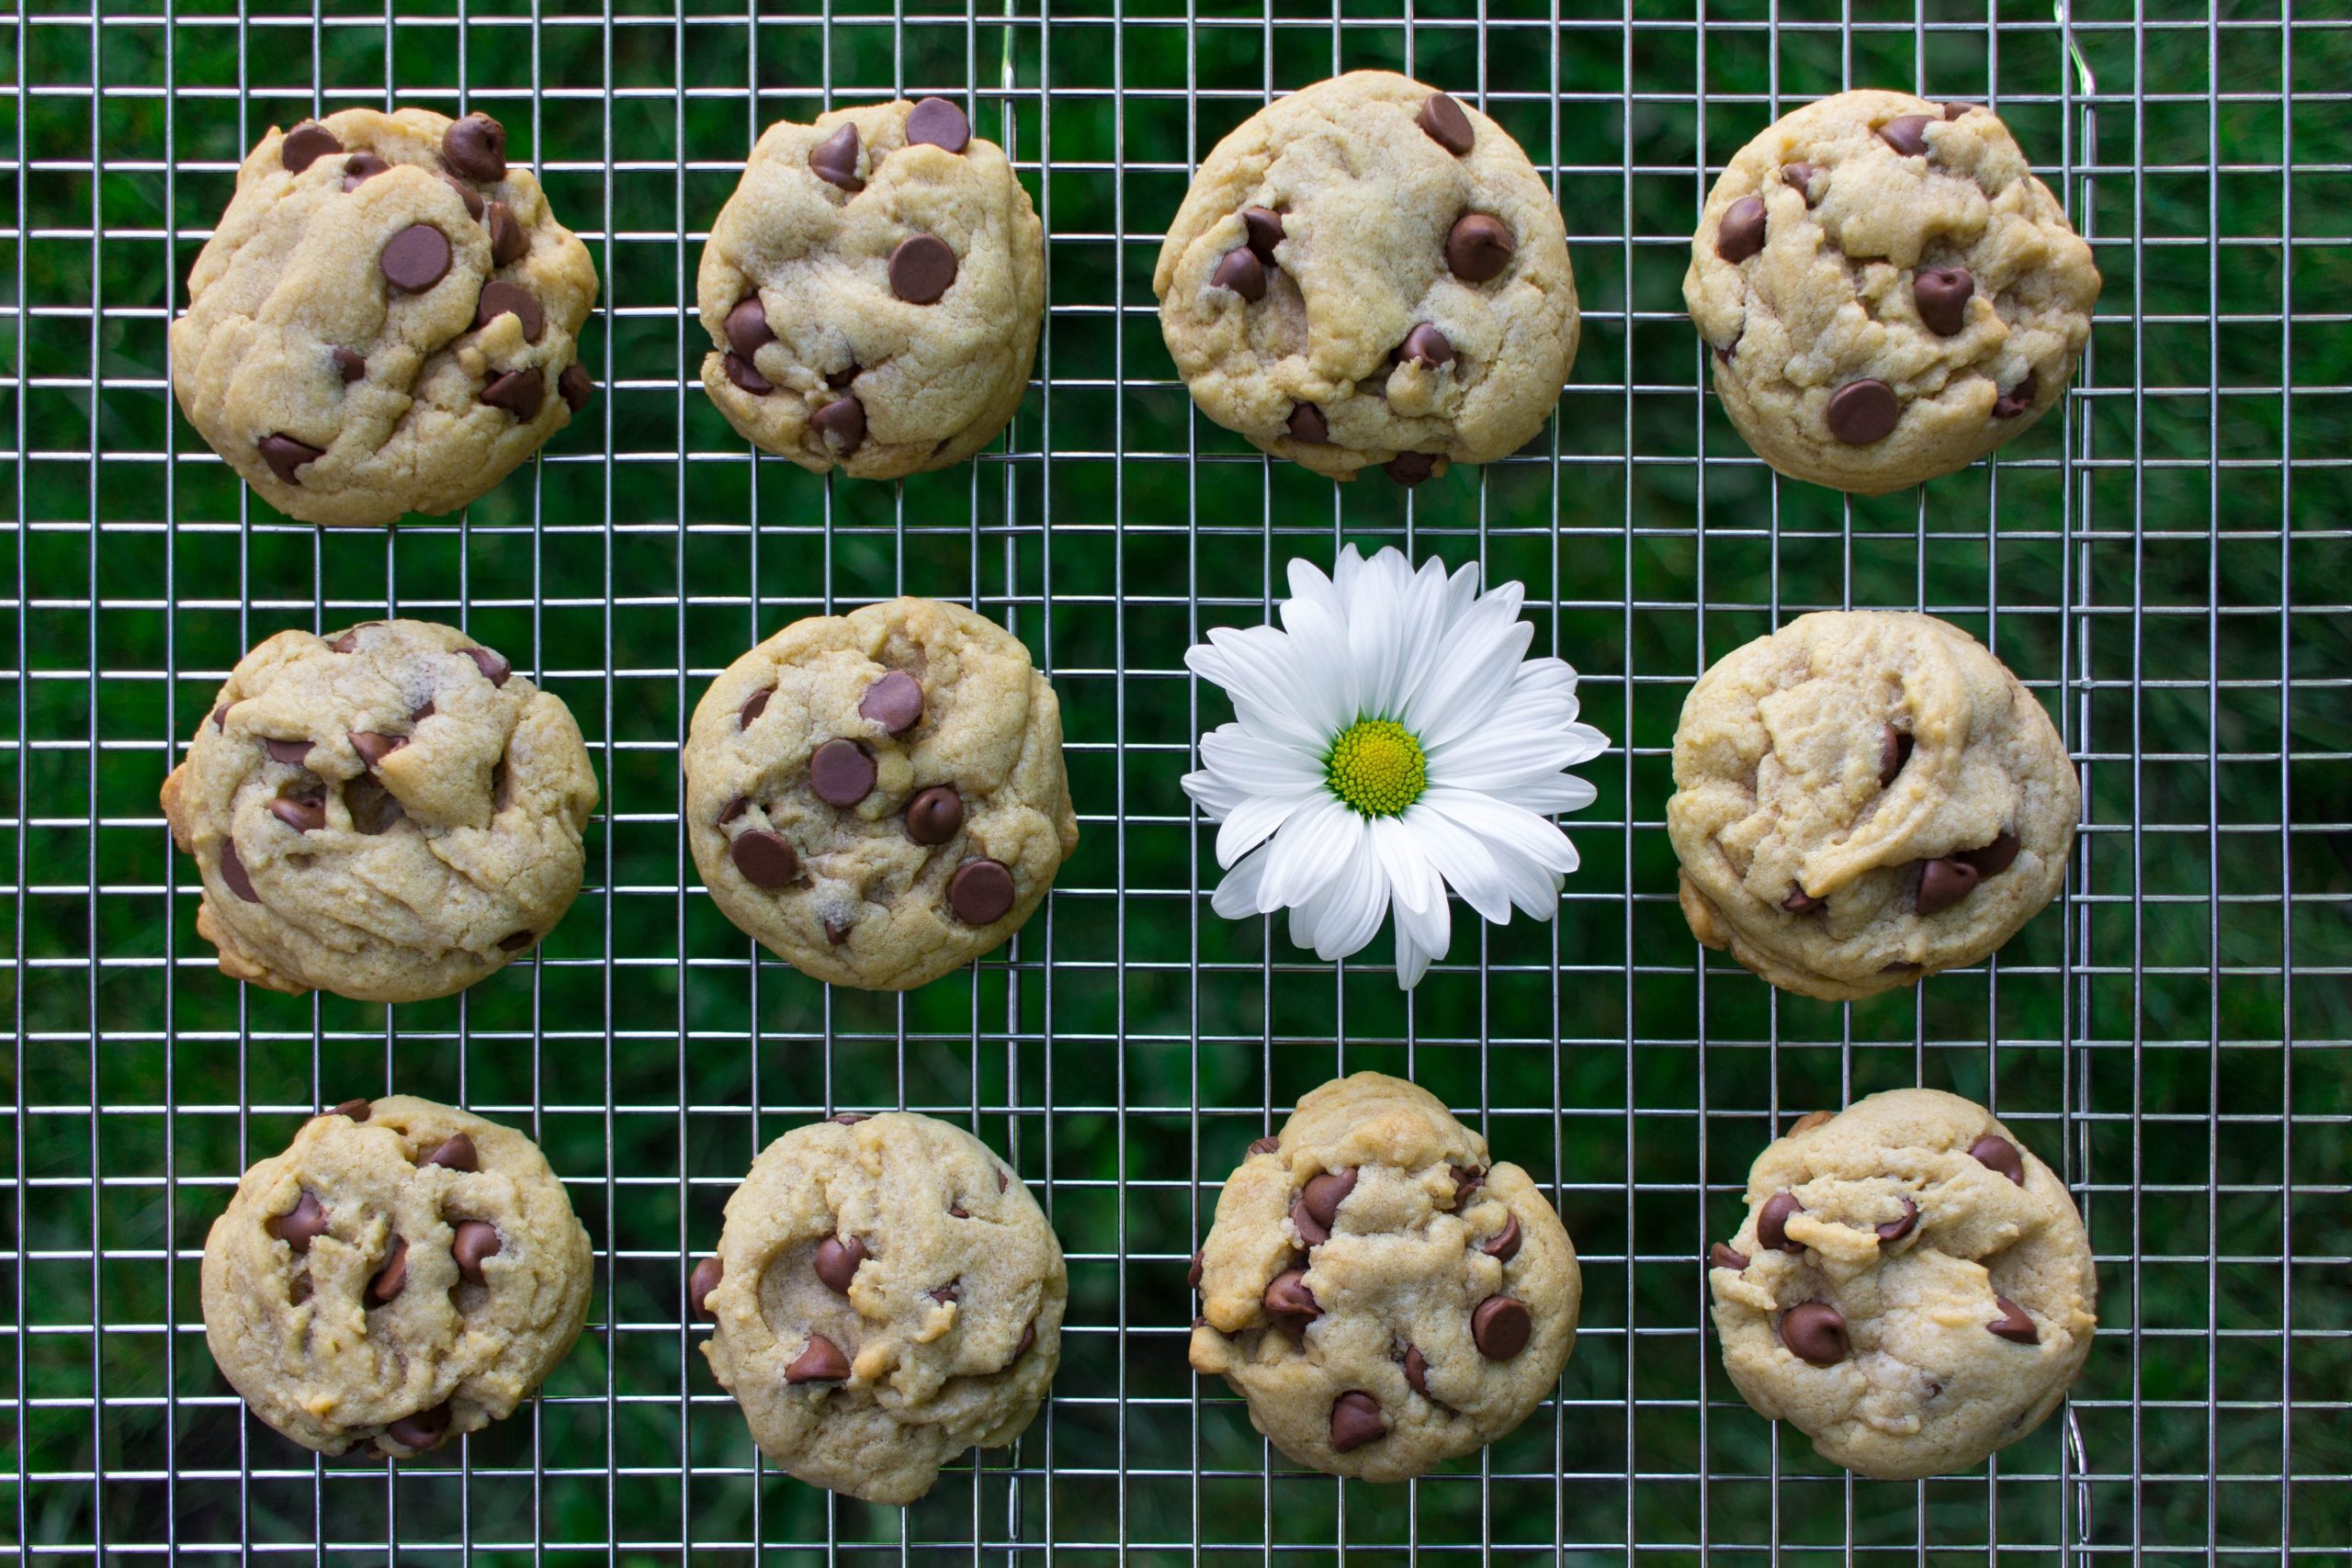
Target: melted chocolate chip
x,y
1289,1303
494,667
1815,1331
1994,858
938,123
285,455
836,933
475,1243
1416,1372
1799,177
1467,1179
1810,1119
1499,1325
837,380
1995,1153
2018,399
754,706
356,1109
746,376
304,814
922,268
422,1430
1722,1256
1429,345
1266,1146
1896,1229
456,1153
822,1362
841,772
416,258
1355,1414
305,145
835,159
1504,1246
373,747
894,701
1409,469
515,942
349,366
293,753
837,1261
935,815
747,326
575,386
300,1225
1028,1337
1323,1195
1478,247
500,298
1192,1275
765,858
1741,234
2014,1324
1264,228
233,872
980,892
465,193
508,242
1772,1221
1863,411
1943,883
1799,902
700,1283
359,168
841,422
733,809
1241,271
1953,111
1304,1223
1893,750
392,1278
1907,134
848,1118
1306,423
519,392
476,147
1941,295
1445,123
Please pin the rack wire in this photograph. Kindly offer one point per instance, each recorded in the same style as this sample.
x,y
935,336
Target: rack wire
x,y
2163,564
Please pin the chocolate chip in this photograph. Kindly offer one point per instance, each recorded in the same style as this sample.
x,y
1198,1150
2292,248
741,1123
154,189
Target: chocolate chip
x,y
837,1261
475,1241
304,815
373,747
1306,423
467,194
940,124
1263,226
953,1291
1416,1372
1995,1153
356,1109
1310,1231
456,1153
746,376
1355,1414
1895,1230
2014,1324
1953,111
359,168
492,665
822,1362
841,772
835,159
1991,859
836,933
1429,345
1323,1195
1901,966
848,1118
733,809
305,145
350,640
843,421
300,1224
1941,295
1504,1245
373,810
1893,750
700,1283
1863,411
1193,1275
1943,883
515,942
233,872
1241,271
1772,1221
980,892
422,1430
575,386
500,298
392,1278
1501,1327
1443,120
1799,177
508,242
1810,1119
284,454
1741,234
935,815
476,147
1478,247
1003,1181
894,701
349,366
519,392
1722,1256
837,380
416,258
1266,1146
1289,1303
1907,134
1815,1331
293,753
2018,399
765,858
1028,1337
1799,902
220,717
922,268
747,326
1468,1179
1409,469
754,706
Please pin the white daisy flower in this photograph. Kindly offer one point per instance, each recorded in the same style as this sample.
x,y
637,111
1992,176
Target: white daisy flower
x,y
1391,744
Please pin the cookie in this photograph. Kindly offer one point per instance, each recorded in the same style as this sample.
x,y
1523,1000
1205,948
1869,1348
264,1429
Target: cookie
x,y
1865,797
1383,1295
386,318
1889,292
879,797
886,1295
1912,1288
1369,271
873,291
402,1273
389,813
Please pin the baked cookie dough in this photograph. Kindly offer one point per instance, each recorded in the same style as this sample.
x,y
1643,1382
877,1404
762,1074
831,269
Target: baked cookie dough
x,y
886,1295
873,291
402,1273
387,319
389,813
1912,1288
1889,291
1369,271
879,797
1383,1295
1865,797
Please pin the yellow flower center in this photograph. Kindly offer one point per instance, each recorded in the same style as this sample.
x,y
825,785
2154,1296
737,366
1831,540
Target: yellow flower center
x,y
1377,766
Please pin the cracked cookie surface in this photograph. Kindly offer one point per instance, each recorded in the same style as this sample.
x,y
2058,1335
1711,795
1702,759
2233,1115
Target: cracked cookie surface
x,y
389,813
402,1273
1383,1295
872,290
1370,272
879,797
386,318
1889,291
1865,797
886,1295
1912,1288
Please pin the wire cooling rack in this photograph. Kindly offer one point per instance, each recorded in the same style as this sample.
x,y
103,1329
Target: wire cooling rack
x,y
2163,563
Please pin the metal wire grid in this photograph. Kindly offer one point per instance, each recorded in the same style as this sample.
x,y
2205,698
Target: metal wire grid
x,y
1129,1043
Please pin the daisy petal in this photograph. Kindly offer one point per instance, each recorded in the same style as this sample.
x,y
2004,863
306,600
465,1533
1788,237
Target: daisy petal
x,y
1256,764
1347,914
1319,646
1463,860
1417,897
1217,797
1474,670
1236,897
1248,823
1309,851
1501,757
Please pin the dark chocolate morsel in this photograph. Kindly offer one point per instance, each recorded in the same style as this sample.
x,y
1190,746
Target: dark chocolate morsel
x,y
701,1282
300,1224
351,366
754,706
476,1241
422,1430
822,1362
1241,271
1468,1179
1863,411
1192,1275
1355,1414
939,123
305,145
841,772
416,258
233,872
519,392
1810,1119
392,1278
1996,1153
836,933
1896,1229
747,326
293,753
734,809
500,298
1289,1303
1264,227
476,147
765,858
515,942
837,1261
1417,1371
922,268
374,748
1323,1195
842,423
1798,176
1499,1325
1815,1331
1893,750
1443,120
357,1109
361,167
465,193
1429,345
1907,134
1266,1146
508,242
2014,1324
1953,111
1741,234
492,665
1772,1221
1799,902
1409,469
980,892
304,815
1478,247
1722,1256
935,815
894,701
837,380
1003,1181
456,1153
1941,295
1943,883
1991,859
285,455
220,717
1310,1231
1028,1337
2018,399
1504,1245
575,386
848,1118
835,159
746,376
942,1295
1306,423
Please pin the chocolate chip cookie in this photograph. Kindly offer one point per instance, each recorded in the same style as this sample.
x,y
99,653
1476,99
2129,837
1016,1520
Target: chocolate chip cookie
x,y
389,813
402,1273
1368,271
386,320
879,797
873,291
1912,1288
1889,291
886,1295
1383,1295
1865,797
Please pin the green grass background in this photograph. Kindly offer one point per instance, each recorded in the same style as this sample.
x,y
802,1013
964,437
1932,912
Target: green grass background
x,y
2166,564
